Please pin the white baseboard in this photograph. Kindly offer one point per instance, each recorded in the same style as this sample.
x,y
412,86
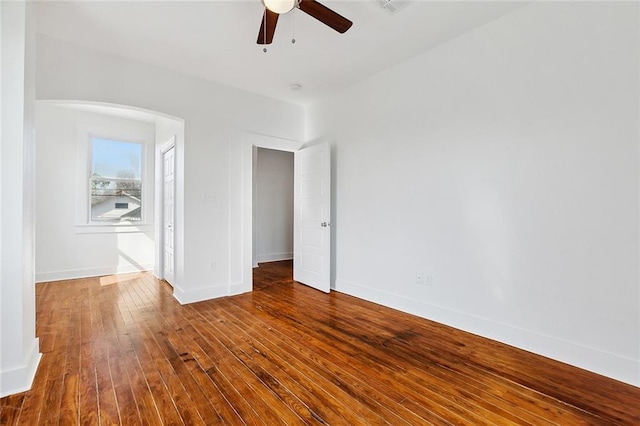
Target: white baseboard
x,y
199,294
20,379
239,288
607,364
274,257
91,272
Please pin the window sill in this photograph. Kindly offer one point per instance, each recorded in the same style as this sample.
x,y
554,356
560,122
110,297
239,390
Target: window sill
x,y
110,228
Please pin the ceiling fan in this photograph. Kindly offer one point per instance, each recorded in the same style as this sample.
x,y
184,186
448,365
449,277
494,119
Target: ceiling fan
x,y
274,8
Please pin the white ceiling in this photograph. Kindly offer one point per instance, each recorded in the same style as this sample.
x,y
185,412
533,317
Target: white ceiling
x,y
216,40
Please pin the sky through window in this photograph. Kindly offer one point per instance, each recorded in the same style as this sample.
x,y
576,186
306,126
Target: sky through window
x,y
113,159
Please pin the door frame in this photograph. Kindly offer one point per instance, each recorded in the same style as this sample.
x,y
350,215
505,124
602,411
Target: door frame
x,y
171,143
242,275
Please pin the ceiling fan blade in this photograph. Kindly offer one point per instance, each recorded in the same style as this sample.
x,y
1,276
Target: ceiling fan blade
x,y
325,15
267,27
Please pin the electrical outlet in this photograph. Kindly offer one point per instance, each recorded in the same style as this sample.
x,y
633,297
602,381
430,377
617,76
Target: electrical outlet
x,y
212,265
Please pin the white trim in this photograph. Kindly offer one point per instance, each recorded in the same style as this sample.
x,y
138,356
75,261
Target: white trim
x,y
113,228
638,228
20,379
73,274
171,143
608,364
127,112
199,294
237,288
254,189
274,257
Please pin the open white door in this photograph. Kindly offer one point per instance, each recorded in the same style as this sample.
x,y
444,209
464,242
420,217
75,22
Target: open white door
x,y
168,162
311,217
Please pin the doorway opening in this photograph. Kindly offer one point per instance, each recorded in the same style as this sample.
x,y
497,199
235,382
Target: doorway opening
x,y
312,207
272,206
311,217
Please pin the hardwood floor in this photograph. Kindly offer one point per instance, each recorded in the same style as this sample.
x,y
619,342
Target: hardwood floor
x,y
121,350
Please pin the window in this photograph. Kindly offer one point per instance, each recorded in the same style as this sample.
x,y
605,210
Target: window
x,y
116,181
115,169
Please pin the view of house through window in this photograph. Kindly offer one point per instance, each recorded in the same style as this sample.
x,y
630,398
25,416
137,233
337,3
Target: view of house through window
x,y
116,181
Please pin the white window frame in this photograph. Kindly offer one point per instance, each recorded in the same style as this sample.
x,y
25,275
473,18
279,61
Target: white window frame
x,y
86,134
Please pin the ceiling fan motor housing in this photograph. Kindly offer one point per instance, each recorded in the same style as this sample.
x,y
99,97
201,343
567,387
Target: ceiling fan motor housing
x,y
279,6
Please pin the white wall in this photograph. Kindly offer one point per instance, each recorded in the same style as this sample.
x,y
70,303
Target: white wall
x,y
19,348
65,248
503,163
274,205
216,120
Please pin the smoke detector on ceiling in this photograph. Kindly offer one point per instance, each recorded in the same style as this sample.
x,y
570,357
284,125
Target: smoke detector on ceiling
x,y
392,6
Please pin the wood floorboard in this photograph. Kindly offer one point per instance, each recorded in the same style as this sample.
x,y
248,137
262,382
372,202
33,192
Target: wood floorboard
x,y
88,386
199,398
179,397
121,350
334,363
10,409
272,410
359,409
389,376
343,385
264,363
336,337
391,353
333,383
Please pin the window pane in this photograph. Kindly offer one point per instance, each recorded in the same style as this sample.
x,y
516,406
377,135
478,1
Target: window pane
x,y
116,185
115,200
116,159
